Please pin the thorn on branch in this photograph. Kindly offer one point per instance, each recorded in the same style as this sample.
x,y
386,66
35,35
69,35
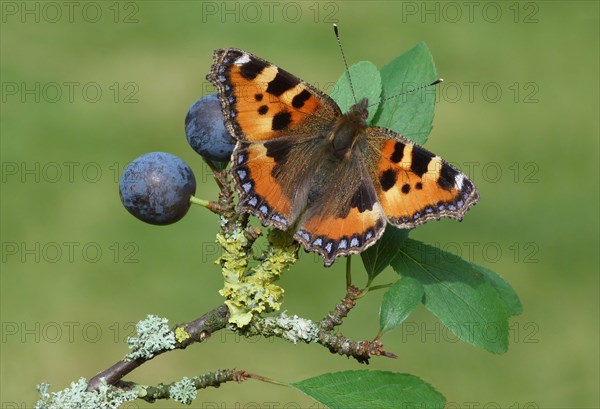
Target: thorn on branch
x,y
362,351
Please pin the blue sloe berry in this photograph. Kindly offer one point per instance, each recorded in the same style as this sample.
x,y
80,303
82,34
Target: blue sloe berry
x,y
156,188
205,130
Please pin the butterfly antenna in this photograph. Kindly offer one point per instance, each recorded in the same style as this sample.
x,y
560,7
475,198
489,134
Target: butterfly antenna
x,y
409,91
337,36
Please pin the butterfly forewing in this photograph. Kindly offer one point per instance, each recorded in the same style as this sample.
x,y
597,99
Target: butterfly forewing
x,y
414,185
261,101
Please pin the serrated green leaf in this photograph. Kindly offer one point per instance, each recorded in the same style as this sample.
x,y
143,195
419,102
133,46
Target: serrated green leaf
x,y
365,389
505,291
398,302
377,257
410,114
457,294
367,83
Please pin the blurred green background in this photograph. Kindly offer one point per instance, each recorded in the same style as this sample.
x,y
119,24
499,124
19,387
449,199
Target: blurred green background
x,y
87,87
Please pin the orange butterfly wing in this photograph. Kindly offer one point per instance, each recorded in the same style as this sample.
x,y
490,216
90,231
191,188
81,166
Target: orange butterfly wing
x,y
414,185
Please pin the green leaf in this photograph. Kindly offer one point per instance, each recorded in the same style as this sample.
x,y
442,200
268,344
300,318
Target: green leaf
x,y
410,114
505,291
377,257
398,302
365,389
367,83
456,293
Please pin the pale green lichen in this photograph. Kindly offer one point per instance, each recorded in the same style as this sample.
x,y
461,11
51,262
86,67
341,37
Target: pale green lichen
x,y
154,335
292,328
77,397
297,328
250,292
183,391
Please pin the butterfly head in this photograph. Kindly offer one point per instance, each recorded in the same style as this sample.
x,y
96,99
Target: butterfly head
x,y
360,110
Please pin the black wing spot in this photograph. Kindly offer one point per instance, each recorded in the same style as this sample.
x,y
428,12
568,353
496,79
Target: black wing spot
x,y
363,198
299,100
263,109
398,152
388,179
418,186
447,178
281,121
278,149
405,188
251,69
258,97
420,160
281,83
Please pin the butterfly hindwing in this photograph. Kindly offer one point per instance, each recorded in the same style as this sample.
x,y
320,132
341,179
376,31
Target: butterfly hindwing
x,y
259,192
274,177
345,218
414,185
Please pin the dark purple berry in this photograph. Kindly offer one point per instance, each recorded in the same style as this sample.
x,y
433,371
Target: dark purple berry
x,y
205,130
156,188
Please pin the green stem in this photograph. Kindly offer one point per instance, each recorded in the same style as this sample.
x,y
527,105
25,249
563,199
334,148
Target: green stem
x,y
201,202
379,287
348,271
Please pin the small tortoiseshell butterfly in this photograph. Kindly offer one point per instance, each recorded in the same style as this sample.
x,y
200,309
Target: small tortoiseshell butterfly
x,y
300,163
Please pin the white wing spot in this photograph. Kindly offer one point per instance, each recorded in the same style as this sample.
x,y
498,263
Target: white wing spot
x,y
242,60
460,178
279,219
303,234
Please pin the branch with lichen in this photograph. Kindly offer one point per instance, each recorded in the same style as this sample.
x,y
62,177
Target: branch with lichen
x,y
252,291
184,390
296,329
249,291
180,337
